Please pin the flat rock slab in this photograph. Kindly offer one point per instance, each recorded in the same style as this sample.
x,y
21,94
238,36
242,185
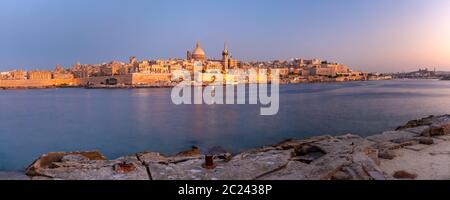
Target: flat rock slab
x,y
417,147
95,170
338,151
393,136
294,170
246,166
155,157
443,137
431,163
417,130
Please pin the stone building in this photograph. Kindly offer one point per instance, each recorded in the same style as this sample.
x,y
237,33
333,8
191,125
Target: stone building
x,y
156,66
198,54
60,73
18,75
113,68
14,75
39,75
227,61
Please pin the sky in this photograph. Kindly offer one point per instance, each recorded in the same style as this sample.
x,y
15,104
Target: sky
x,y
369,35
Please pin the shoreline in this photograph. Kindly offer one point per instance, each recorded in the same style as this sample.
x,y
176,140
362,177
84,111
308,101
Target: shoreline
x,y
404,153
171,85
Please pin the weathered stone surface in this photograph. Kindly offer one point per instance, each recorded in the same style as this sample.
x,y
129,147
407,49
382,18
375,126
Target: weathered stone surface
x,y
340,175
416,123
417,147
294,170
437,130
336,153
292,144
394,136
444,137
47,159
308,153
74,158
430,163
427,141
154,157
386,154
417,130
74,167
245,166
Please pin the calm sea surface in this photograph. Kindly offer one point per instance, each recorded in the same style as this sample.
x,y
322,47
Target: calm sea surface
x,y
122,122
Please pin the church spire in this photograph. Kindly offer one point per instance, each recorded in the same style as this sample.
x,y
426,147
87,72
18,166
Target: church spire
x,y
225,49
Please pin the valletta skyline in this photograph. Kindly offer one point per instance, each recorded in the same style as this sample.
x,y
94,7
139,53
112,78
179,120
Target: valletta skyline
x,y
384,35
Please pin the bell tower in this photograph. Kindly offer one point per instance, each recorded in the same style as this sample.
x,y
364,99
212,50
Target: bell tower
x,y
225,59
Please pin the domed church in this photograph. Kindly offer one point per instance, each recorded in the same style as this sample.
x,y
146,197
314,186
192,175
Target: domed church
x,y
198,53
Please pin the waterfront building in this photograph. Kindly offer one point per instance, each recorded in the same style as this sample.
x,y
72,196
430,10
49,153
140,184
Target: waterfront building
x,y
39,75
227,61
14,75
60,73
18,75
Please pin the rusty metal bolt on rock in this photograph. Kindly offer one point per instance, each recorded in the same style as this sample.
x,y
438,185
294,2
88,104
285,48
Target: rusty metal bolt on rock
x,y
209,162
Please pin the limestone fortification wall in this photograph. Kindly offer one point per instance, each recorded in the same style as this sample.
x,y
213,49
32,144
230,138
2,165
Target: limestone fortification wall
x,y
36,83
121,79
130,79
139,78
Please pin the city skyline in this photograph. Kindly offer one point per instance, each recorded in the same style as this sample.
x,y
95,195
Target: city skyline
x,y
408,34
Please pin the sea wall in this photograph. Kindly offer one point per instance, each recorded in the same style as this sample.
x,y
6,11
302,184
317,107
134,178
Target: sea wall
x,y
145,79
417,150
130,79
121,79
30,83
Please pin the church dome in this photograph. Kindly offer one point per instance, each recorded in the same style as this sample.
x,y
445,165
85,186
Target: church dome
x,y
198,53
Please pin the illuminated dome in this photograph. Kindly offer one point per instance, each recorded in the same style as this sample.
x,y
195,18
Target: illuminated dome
x,y
198,53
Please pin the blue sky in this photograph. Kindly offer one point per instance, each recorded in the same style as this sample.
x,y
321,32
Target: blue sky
x,y
371,35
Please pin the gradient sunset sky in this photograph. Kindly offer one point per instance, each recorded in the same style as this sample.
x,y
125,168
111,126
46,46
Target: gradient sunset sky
x,y
370,35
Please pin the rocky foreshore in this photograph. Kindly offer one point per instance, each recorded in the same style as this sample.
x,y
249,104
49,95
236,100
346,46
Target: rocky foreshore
x,y
418,150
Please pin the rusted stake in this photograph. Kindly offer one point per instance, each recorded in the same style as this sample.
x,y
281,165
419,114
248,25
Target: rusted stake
x,y
209,162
